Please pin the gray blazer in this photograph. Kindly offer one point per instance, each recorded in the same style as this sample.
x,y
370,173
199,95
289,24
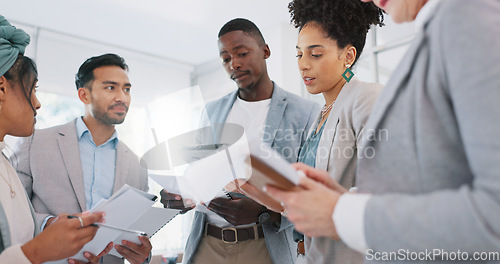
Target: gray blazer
x,y
288,113
337,154
434,135
49,166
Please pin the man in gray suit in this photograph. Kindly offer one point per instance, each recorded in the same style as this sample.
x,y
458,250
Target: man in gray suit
x,y
240,230
70,168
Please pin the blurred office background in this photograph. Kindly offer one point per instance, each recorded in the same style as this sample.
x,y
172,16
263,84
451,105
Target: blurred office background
x,y
171,49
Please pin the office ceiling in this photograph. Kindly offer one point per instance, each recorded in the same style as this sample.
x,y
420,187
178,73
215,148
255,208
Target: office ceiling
x,y
181,30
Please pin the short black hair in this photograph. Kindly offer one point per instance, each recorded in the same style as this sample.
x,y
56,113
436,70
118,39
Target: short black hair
x,y
345,21
86,71
245,25
24,73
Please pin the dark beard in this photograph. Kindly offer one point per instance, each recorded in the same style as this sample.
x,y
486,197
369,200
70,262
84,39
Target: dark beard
x,y
105,118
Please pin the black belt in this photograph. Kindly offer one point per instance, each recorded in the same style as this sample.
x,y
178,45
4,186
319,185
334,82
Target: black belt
x,y
233,235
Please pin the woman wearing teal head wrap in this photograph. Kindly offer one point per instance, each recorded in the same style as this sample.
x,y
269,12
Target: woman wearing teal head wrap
x,y
13,41
18,105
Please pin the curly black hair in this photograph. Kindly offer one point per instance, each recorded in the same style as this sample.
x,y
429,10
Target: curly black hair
x,y
345,21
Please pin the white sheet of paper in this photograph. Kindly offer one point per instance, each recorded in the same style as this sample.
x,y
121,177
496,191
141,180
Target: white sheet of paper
x,y
204,179
174,184
169,182
154,219
208,176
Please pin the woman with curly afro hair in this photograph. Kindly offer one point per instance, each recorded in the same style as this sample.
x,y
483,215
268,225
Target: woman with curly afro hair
x,y
331,38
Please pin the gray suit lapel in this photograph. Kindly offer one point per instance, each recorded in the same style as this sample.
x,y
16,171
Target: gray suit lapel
x,y
276,110
122,166
329,132
221,110
330,129
68,145
219,116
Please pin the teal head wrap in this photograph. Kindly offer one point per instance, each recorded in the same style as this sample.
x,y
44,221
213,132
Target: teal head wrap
x,y
13,41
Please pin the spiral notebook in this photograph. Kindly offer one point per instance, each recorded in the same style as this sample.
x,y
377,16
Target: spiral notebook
x,y
126,210
151,222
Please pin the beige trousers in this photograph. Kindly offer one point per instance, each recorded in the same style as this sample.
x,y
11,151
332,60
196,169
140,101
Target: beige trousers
x,y
213,250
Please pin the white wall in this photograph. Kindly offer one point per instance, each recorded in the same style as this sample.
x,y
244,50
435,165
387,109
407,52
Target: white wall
x,y
59,56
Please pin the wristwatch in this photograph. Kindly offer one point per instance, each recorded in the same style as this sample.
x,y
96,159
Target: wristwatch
x,y
264,216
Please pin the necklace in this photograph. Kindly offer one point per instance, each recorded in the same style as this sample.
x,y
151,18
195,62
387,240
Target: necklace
x,y
326,109
12,192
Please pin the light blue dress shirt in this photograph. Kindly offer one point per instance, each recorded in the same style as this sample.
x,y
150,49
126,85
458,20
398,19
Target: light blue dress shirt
x,y
98,165
307,155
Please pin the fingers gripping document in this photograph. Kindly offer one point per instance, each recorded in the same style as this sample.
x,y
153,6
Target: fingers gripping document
x,y
204,178
272,169
248,171
154,219
268,168
128,213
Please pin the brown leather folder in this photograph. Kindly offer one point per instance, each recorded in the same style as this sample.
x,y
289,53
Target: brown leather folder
x,y
263,174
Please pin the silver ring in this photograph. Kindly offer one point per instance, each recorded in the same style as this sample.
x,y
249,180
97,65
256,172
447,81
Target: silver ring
x,y
168,204
81,222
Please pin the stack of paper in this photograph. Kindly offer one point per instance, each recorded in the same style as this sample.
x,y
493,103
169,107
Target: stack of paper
x,y
237,168
128,208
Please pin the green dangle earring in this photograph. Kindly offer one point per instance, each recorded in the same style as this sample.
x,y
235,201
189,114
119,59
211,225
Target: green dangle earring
x,y
348,74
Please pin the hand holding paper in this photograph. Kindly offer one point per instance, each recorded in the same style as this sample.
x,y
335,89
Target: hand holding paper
x,y
310,208
154,219
93,259
268,167
239,211
135,253
69,232
319,176
258,195
175,201
128,208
